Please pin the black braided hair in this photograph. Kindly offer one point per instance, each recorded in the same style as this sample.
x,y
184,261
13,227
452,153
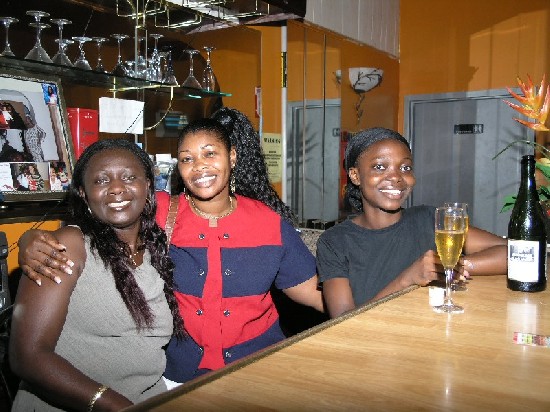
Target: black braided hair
x,y
114,252
251,177
357,145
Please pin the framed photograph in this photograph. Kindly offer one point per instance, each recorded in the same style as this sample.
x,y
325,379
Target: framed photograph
x,y
36,152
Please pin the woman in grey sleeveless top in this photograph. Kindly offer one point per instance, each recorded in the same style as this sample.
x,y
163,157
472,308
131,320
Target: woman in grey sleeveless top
x,y
96,340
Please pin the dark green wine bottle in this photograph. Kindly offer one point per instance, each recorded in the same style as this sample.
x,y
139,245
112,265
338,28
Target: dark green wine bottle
x,y
527,235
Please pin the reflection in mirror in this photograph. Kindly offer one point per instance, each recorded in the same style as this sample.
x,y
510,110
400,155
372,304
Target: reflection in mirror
x,y
313,160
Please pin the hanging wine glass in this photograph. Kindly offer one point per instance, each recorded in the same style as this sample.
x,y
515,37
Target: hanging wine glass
x,y
191,81
99,66
60,57
6,21
208,76
140,69
38,52
120,69
169,76
63,44
81,61
154,72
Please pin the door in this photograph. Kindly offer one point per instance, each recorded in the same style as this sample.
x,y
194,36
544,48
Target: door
x,y
313,157
454,137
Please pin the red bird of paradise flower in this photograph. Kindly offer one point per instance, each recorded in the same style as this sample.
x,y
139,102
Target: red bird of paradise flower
x,y
534,104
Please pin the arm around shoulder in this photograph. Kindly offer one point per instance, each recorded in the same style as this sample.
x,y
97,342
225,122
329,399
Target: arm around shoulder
x,y
41,254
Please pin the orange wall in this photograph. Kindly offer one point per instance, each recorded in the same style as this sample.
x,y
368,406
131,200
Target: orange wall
x,y
312,75
466,45
13,233
271,79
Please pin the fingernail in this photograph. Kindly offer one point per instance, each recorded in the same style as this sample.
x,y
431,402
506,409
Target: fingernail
x,y
68,271
57,280
468,264
38,282
70,263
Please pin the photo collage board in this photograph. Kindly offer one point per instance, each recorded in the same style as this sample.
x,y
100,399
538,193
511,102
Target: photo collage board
x,y
36,154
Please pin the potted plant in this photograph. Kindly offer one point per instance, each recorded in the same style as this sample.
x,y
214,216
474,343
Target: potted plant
x,y
534,104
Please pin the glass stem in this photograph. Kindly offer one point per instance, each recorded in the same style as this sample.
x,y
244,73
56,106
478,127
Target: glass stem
x,y
448,286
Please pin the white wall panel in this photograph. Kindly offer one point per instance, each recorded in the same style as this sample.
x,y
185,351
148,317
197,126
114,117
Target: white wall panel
x,y
373,22
350,18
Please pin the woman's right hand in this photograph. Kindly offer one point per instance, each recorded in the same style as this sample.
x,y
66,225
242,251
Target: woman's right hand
x,y
425,269
41,255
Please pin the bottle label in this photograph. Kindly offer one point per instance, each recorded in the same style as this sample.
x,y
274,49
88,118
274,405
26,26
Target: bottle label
x,y
523,260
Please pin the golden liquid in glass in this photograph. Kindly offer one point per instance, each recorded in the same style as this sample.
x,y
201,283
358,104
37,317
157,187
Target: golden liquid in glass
x,y
454,223
449,246
466,225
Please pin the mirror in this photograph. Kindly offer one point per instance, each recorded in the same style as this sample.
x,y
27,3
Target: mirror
x,y
313,164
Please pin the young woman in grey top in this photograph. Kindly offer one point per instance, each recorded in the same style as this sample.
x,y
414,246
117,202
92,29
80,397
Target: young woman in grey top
x,y
386,248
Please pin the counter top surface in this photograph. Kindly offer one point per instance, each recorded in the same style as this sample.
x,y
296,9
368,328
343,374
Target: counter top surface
x,y
395,355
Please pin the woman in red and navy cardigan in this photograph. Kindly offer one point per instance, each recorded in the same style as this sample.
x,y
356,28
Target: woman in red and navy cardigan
x,y
228,251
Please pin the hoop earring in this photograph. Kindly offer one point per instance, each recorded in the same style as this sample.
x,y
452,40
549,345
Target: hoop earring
x,y
232,183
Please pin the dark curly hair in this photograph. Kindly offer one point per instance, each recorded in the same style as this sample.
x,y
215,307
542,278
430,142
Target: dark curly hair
x,y
114,252
357,145
250,172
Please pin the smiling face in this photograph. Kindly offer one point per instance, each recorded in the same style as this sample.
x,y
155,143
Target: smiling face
x,y
115,188
205,164
385,175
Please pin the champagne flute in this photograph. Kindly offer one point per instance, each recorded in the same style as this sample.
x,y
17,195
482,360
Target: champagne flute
x,y
169,77
140,66
449,238
154,71
99,67
120,69
208,77
460,284
7,21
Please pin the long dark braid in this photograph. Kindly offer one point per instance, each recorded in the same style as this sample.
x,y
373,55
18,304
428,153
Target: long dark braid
x,y
114,252
250,172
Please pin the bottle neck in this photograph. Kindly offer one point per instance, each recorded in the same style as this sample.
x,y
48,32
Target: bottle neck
x,y
528,184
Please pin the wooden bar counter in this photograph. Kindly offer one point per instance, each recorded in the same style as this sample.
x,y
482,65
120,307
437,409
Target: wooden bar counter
x,y
393,356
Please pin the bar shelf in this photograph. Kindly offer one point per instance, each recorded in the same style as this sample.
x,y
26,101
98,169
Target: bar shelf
x,y
108,81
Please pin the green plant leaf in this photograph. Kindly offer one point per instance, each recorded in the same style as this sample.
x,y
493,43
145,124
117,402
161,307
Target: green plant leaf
x,y
545,169
544,193
509,202
538,147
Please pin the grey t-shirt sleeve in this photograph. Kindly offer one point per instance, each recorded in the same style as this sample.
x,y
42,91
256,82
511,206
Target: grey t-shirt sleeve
x,y
331,259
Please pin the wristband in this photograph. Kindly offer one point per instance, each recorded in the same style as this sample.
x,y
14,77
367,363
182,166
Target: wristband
x,y
96,396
